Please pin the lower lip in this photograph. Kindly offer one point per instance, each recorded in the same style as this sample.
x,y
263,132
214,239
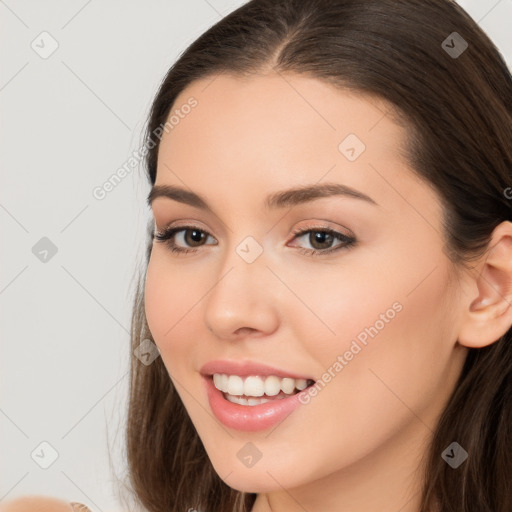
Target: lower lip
x,y
250,418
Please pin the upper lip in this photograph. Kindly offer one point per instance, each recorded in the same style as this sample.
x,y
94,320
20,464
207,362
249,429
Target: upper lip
x,y
246,368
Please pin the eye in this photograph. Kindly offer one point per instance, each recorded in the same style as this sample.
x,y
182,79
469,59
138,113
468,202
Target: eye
x,y
189,235
322,239
186,239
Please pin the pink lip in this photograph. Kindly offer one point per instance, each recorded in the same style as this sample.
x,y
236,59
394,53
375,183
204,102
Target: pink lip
x,y
247,368
249,418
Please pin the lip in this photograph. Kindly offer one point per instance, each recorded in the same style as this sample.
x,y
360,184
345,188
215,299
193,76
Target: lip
x,y
246,368
249,418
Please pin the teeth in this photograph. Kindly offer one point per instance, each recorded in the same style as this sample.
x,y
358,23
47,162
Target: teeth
x,y
246,401
288,385
257,386
272,385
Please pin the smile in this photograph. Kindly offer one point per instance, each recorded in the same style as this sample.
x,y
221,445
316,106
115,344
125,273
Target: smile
x,y
251,413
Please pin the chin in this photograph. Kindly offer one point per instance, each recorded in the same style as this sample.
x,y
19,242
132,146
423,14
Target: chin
x,y
254,483
260,478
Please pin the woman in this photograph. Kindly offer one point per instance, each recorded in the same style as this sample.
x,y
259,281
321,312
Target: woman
x,y
329,274
329,271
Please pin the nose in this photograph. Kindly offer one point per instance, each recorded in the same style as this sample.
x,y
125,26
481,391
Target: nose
x,y
244,299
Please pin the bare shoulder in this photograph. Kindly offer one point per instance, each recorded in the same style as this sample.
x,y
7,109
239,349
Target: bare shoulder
x,y
40,504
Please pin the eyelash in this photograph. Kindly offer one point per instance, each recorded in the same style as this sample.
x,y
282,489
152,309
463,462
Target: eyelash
x,y
166,236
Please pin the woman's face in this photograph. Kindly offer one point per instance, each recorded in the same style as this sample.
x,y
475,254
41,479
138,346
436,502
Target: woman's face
x,y
372,317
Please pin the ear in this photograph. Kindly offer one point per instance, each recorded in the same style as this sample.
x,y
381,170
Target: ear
x,y
489,316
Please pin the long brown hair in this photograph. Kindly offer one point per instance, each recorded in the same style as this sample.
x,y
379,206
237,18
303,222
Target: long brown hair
x,y
458,111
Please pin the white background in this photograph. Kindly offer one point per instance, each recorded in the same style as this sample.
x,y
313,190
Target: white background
x,y
68,123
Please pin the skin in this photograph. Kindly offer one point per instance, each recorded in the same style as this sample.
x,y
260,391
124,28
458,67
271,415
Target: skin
x,y
358,444
37,504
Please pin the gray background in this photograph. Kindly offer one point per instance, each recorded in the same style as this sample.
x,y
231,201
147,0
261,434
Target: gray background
x,y
69,121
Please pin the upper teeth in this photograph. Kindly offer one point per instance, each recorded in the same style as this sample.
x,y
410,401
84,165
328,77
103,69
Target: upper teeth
x,y
257,386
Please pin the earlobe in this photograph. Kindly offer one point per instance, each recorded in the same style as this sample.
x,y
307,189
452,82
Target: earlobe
x,y
489,315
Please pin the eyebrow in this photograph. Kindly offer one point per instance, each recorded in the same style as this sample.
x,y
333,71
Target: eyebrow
x,y
281,199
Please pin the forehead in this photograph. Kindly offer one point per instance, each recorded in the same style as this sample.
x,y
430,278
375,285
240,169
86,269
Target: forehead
x,y
266,131
282,108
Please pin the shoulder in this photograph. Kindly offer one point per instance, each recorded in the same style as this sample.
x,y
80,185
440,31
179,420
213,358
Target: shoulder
x,y
41,504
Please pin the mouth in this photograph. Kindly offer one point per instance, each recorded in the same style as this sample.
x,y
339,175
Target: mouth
x,y
254,402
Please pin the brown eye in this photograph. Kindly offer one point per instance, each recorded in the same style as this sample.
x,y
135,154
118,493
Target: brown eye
x,y
320,239
183,239
194,237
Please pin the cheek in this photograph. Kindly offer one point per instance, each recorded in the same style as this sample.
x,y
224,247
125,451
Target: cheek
x,y
159,300
169,302
339,303
395,359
